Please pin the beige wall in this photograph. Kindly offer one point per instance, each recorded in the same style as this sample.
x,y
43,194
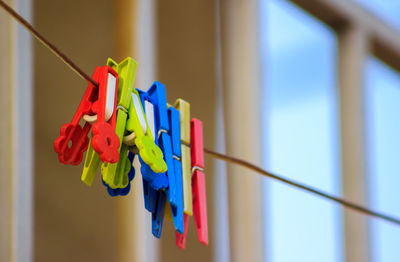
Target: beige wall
x,y
72,221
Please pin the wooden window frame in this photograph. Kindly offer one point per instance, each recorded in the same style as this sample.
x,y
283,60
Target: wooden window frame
x,y
360,34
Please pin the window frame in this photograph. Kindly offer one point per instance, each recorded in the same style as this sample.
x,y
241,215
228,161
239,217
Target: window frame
x,y
360,33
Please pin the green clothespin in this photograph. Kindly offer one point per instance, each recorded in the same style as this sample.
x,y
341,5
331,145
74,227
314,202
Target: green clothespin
x,y
135,128
150,153
113,174
92,162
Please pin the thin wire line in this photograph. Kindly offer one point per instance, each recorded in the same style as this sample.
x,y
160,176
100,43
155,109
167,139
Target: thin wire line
x,y
217,155
309,189
47,44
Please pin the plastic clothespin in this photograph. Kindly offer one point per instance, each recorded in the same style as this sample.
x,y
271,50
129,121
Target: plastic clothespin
x,y
92,160
151,180
104,141
153,183
100,101
116,175
184,111
156,180
176,213
198,188
156,95
140,136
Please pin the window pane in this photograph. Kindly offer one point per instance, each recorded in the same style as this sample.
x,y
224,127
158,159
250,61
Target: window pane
x,y
388,10
301,127
383,96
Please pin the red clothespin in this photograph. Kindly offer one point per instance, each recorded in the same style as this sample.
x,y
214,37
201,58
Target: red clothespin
x,y
97,104
198,187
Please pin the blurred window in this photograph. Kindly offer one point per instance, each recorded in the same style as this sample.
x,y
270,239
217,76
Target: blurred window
x,y
383,126
300,120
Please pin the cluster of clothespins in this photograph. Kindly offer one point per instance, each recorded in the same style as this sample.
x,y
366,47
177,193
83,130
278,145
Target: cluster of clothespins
x,y
126,122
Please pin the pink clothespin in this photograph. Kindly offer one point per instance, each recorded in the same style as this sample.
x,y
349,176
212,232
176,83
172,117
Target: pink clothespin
x,y
198,187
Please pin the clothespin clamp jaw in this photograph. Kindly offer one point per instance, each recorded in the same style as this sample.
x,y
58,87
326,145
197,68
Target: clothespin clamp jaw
x,y
73,140
198,187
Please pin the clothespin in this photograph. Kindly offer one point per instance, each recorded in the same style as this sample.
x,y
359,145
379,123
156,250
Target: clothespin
x,y
158,107
92,160
151,181
156,200
184,111
176,213
116,175
198,187
97,103
181,152
140,136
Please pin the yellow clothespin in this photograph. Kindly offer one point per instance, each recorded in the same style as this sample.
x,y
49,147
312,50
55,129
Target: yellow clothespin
x,y
184,111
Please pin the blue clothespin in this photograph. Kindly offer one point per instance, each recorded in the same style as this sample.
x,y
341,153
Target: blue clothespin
x,y
155,201
153,183
155,180
175,133
157,96
122,191
151,180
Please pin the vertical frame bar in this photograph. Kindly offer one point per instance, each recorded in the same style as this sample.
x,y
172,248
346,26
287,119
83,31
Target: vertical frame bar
x,y
16,132
221,199
353,50
242,125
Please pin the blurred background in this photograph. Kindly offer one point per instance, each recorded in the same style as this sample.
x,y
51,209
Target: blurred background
x,y
309,89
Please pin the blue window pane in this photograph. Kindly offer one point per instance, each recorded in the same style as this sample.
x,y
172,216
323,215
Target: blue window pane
x,y
301,127
387,10
383,107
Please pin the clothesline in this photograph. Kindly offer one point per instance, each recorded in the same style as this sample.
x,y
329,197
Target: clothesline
x,y
224,157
